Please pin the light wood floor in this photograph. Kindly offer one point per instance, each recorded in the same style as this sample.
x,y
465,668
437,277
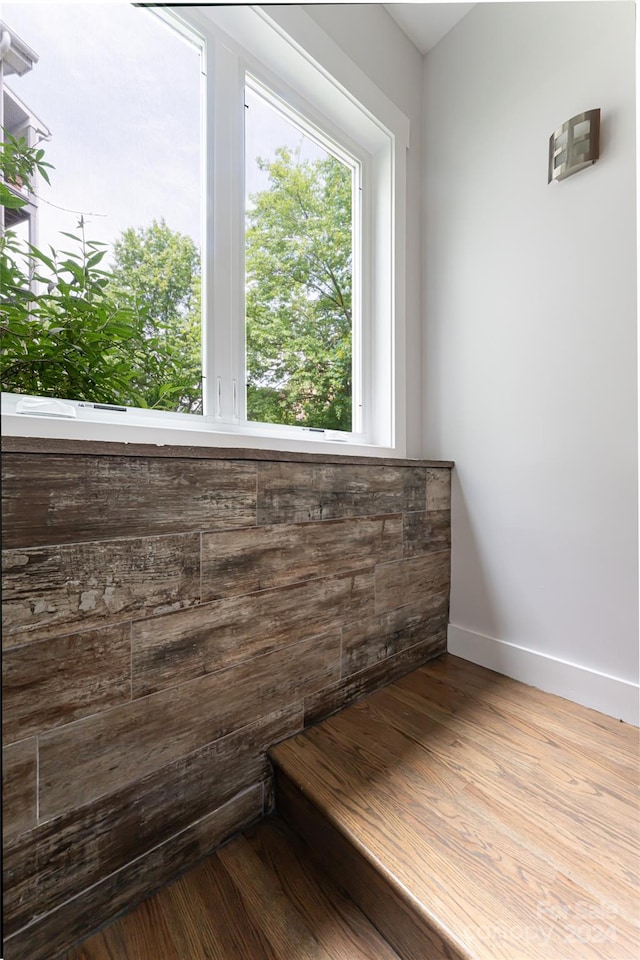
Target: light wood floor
x,y
501,821
258,898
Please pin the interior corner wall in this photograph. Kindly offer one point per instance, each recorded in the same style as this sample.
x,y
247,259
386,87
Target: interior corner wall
x,y
530,343
377,45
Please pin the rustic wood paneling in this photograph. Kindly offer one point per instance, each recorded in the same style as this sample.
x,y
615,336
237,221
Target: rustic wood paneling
x,y
426,531
50,591
52,682
398,583
438,488
380,636
49,865
343,692
293,493
58,930
19,771
244,561
178,647
97,755
62,499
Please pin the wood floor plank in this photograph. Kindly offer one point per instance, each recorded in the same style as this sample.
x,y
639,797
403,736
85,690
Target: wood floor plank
x,y
209,919
258,897
583,788
285,928
539,826
491,818
614,744
610,749
339,925
536,832
432,849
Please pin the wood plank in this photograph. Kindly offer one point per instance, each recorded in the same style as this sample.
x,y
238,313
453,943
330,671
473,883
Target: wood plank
x,y
440,757
283,926
429,848
341,693
476,816
341,928
494,723
411,933
426,531
138,933
104,448
209,919
97,755
401,581
60,929
438,488
295,493
613,744
244,561
381,636
51,591
61,857
192,643
52,682
257,898
19,801
62,499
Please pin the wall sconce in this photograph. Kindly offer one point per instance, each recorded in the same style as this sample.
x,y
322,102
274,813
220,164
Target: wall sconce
x,y
575,145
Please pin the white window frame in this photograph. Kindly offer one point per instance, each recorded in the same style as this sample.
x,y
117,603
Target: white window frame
x,y
291,56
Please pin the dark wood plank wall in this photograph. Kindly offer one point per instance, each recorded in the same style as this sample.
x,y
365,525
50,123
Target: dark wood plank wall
x,y
166,619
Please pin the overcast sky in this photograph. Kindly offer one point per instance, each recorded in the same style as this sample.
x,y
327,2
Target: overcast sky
x,y
125,135
120,93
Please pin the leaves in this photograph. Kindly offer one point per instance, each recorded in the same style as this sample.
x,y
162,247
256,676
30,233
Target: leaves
x,y
160,269
298,302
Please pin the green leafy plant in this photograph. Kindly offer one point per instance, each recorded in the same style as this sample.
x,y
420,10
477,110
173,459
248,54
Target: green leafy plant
x,y
67,329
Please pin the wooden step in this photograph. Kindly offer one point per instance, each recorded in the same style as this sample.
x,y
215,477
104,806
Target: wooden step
x,y
257,898
474,818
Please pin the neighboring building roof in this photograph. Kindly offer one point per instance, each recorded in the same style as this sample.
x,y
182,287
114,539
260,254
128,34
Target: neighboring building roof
x,y
18,57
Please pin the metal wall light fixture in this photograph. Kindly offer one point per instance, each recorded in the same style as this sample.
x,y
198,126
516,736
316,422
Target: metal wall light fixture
x,y
575,145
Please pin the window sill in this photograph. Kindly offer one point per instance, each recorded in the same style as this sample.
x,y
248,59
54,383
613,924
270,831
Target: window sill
x,y
178,435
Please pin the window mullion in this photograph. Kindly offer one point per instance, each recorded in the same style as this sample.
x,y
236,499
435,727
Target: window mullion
x,y
224,231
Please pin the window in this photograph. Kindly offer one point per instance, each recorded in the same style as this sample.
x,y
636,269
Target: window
x,y
286,323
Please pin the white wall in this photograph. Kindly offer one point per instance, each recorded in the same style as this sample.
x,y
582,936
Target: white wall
x,y
530,343
378,46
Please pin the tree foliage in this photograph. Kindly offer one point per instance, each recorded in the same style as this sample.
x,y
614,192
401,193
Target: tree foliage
x,y
160,269
70,329
299,294
62,334
71,340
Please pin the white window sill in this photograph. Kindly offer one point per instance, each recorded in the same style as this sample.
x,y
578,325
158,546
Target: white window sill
x,y
143,427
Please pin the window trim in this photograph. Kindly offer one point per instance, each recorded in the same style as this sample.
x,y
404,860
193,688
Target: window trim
x,y
291,46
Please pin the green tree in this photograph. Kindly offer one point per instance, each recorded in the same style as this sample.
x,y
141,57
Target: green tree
x,y
63,335
160,269
299,292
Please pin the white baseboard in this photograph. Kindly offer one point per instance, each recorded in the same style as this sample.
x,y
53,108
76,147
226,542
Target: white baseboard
x,y
610,695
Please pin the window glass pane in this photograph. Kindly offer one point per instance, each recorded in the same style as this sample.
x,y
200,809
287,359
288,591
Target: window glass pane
x,y
298,263
114,100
